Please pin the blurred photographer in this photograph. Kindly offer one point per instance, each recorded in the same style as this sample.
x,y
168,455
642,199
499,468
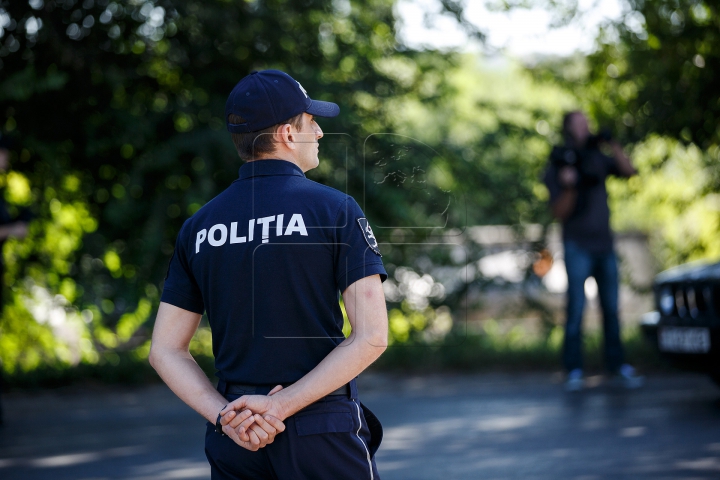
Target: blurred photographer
x,y
575,178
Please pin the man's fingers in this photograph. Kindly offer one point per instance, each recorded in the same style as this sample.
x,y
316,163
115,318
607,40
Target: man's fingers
x,y
237,404
265,426
243,427
247,445
275,390
261,434
231,433
275,422
244,424
236,438
225,419
240,418
254,439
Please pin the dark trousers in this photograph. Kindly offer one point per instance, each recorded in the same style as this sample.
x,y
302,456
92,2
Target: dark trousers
x,y
334,438
580,265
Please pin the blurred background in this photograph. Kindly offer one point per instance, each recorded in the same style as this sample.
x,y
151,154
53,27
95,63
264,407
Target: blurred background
x,y
449,111
112,111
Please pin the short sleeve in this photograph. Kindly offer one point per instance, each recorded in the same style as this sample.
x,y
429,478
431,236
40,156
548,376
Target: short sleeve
x,y
357,253
180,287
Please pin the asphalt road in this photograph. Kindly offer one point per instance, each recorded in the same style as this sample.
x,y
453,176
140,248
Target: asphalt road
x,y
436,427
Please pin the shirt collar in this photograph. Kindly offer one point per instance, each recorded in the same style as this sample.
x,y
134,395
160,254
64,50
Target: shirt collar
x,y
259,168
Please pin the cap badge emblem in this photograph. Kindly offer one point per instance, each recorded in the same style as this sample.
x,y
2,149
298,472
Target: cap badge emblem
x,y
301,88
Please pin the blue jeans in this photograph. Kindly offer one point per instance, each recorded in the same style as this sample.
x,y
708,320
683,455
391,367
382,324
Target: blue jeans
x,y
580,265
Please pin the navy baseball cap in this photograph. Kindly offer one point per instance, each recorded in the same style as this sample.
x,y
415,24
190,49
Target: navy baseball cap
x,y
269,97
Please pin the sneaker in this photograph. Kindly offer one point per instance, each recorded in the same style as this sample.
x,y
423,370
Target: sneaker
x,y
574,381
628,378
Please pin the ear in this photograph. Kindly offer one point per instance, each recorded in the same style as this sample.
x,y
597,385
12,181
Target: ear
x,y
284,136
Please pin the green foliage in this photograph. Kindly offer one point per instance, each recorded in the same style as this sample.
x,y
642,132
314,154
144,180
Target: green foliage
x,y
657,77
493,134
516,350
672,199
655,71
652,79
116,111
25,344
482,150
413,326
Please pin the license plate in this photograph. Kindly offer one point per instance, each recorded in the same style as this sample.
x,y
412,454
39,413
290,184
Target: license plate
x,y
684,340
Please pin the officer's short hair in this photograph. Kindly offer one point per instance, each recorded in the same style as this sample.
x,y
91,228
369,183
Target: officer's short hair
x,y
255,144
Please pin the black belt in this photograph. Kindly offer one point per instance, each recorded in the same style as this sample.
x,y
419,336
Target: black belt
x,y
242,389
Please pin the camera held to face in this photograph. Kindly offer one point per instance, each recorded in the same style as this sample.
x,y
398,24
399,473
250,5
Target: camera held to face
x,y
584,160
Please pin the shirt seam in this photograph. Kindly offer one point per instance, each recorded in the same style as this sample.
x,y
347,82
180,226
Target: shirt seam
x,y
335,222
267,95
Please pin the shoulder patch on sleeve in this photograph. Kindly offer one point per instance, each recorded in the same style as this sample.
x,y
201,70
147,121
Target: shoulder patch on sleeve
x,y
368,234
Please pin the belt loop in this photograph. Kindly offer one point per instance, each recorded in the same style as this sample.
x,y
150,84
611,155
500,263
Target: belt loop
x,y
353,389
222,387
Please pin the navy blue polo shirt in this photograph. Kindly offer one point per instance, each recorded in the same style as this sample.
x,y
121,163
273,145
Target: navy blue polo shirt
x,y
266,260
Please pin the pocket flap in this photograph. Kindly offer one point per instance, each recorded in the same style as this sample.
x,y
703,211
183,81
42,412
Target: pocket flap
x,y
328,422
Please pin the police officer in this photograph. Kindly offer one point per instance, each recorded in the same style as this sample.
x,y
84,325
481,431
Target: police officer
x,y
266,259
